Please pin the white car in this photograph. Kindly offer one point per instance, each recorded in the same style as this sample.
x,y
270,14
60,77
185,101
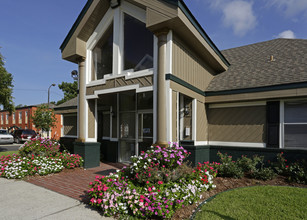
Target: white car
x,y
5,137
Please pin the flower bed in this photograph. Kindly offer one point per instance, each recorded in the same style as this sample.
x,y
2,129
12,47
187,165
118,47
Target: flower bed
x,y
156,184
30,161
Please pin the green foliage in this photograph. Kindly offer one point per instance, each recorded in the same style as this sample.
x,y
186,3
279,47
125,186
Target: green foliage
x,y
295,172
44,118
228,167
6,87
70,91
261,202
244,166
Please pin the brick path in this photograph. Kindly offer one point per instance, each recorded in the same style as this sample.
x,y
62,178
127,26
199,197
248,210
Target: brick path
x,y
74,183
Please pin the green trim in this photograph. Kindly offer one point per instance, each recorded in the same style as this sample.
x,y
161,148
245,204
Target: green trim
x,y
258,89
76,24
183,83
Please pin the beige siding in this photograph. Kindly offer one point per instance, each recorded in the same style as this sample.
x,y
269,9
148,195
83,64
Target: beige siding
x,y
70,125
201,122
91,118
188,67
174,116
237,124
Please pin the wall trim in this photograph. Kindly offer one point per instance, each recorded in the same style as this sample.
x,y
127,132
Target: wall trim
x,y
183,83
237,144
201,143
70,136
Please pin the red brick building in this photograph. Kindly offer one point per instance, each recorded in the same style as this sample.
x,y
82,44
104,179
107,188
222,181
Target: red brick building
x,y
22,118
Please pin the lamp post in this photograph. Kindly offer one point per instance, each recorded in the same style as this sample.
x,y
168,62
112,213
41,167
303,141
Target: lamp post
x,y
49,93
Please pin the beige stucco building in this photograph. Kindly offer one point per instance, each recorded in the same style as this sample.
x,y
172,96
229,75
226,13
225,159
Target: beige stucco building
x,y
149,74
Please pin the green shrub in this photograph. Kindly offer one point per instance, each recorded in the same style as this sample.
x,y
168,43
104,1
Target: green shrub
x,y
227,167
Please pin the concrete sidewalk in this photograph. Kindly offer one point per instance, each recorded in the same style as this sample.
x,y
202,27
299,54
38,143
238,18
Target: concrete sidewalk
x,y
22,200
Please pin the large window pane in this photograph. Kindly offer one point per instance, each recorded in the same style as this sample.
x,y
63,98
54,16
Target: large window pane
x,y
138,45
127,101
295,112
145,100
102,55
296,136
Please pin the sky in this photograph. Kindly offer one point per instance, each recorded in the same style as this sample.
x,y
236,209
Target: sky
x,y
32,31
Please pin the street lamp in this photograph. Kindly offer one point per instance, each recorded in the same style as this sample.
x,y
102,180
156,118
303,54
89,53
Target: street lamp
x,y
49,93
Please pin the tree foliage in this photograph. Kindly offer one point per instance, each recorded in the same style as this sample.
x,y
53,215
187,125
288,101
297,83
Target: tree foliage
x,y
44,118
6,87
70,91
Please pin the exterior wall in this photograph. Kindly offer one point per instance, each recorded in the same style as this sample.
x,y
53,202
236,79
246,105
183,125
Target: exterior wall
x,y
188,67
23,123
69,125
237,124
201,122
56,131
91,118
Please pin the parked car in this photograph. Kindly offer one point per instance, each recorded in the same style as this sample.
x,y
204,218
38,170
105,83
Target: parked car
x,y
23,135
5,137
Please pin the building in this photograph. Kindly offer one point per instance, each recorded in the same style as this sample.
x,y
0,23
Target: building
x,y
149,74
22,119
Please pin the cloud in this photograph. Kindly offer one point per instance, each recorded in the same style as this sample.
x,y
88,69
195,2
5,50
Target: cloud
x,y
237,14
290,7
286,34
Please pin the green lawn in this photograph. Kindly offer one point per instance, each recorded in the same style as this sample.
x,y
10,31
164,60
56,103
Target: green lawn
x,y
8,153
260,202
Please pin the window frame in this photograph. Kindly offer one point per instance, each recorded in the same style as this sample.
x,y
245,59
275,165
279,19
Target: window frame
x,y
283,123
117,17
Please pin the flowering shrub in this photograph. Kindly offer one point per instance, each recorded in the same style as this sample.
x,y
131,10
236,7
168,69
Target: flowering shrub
x,y
146,189
228,167
70,161
17,167
39,146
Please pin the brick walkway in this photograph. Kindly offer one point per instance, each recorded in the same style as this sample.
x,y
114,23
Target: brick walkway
x,y
74,183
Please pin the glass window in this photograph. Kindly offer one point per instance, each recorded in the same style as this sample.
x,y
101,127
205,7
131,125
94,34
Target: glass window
x,y
106,124
20,118
145,100
138,45
295,125
26,117
102,55
1,118
7,119
127,101
13,118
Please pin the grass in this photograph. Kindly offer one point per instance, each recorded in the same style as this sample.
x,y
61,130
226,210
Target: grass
x,y
8,153
260,202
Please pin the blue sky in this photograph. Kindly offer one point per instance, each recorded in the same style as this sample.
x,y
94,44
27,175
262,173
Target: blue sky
x,y
33,30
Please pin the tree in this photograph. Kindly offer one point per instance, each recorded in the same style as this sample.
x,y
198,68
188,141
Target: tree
x,y
70,91
6,87
44,118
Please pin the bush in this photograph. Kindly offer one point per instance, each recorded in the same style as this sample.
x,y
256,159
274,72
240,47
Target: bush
x,y
227,167
155,186
295,172
39,146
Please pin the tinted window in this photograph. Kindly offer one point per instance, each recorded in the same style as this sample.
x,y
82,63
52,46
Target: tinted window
x,y
138,45
102,55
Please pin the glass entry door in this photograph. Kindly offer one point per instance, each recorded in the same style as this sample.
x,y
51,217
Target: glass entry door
x,y
145,131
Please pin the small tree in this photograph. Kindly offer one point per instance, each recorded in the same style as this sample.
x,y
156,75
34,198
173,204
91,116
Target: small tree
x,y
70,91
6,87
44,118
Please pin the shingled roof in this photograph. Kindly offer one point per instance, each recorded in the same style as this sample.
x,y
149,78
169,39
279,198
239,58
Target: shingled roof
x,y
265,64
72,103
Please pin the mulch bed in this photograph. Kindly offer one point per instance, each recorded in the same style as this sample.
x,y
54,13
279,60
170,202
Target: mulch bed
x,y
75,184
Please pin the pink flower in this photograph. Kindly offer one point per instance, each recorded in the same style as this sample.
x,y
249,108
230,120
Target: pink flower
x,y
160,182
149,189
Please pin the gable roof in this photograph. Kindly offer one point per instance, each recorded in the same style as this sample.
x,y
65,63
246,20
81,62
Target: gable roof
x,y
179,3
251,67
72,103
